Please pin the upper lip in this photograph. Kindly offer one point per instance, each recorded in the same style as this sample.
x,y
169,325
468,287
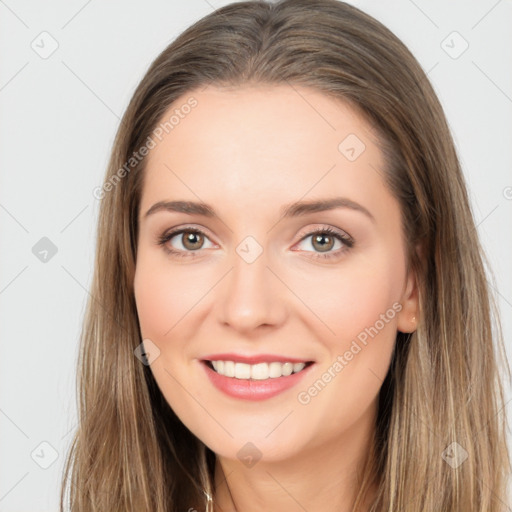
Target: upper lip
x,y
255,359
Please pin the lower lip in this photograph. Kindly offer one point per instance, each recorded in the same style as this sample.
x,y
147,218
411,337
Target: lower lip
x,y
250,389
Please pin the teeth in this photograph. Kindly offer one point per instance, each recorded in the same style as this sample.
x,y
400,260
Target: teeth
x,y
297,367
229,368
260,371
275,370
242,371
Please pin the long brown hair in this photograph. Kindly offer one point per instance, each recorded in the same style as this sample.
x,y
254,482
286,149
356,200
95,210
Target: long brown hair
x,y
442,398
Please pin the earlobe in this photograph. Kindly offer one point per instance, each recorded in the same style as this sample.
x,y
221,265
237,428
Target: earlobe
x,y
407,318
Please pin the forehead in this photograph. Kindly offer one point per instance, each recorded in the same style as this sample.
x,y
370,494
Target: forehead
x,y
254,143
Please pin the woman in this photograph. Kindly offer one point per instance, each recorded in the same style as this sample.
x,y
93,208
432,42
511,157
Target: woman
x,y
289,308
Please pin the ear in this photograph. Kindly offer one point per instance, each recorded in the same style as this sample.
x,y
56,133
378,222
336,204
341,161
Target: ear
x,y
407,318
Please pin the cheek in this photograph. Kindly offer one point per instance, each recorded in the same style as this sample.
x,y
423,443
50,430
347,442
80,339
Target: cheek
x,y
164,295
360,305
154,304
353,297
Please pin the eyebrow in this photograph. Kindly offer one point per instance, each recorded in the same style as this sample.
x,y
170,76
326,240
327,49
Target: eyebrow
x,y
295,209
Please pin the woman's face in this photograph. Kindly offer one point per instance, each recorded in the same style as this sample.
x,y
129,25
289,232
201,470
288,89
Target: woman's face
x,y
254,280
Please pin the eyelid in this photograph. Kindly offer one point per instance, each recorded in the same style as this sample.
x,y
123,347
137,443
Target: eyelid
x,y
321,228
302,234
185,227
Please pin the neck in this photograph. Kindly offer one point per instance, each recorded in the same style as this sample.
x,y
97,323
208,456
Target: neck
x,y
325,477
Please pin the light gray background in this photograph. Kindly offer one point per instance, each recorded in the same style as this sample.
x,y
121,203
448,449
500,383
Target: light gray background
x,y
59,115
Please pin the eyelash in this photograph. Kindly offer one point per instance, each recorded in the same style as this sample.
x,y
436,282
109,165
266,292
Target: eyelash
x,y
346,240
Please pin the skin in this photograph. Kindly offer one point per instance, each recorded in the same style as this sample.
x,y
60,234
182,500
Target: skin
x,y
247,152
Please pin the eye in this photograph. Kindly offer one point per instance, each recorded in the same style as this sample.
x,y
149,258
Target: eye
x,y
191,240
324,240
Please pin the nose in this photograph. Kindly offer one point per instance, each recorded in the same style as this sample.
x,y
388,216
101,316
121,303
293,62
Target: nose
x,y
251,296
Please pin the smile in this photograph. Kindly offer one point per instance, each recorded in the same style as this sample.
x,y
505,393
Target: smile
x,y
259,371
257,381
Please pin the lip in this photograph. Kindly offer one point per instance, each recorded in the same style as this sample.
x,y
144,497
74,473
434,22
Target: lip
x,y
255,359
254,390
